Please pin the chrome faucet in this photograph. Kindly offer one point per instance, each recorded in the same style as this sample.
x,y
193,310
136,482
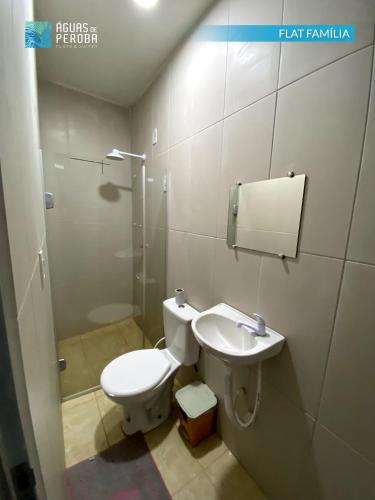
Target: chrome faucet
x,y
260,328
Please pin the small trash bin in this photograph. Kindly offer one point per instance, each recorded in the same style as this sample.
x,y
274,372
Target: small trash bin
x,y
197,405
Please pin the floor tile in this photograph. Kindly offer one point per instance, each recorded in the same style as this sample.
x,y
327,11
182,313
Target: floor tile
x,y
71,403
84,434
209,450
96,368
200,488
75,377
112,416
102,344
131,333
176,465
231,480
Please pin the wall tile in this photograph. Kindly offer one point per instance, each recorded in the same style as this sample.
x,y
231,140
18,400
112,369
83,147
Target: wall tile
x,y
180,101
334,470
160,112
83,125
190,266
348,406
141,126
198,81
252,68
362,234
276,442
247,142
298,299
53,125
176,258
236,277
204,182
194,182
298,59
319,131
200,250
179,186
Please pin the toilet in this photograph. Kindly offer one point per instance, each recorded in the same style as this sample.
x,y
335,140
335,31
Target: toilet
x,y
141,381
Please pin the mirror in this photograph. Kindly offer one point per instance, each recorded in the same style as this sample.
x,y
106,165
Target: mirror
x,y
265,216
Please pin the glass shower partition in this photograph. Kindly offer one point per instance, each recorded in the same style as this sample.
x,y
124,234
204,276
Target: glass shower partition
x,y
149,247
90,247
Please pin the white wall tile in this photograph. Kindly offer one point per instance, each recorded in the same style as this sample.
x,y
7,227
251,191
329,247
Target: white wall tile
x,y
190,266
247,142
319,132
348,406
236,277
298,59
141,126
252,68
362,234
205,180
160,112
198,81
179,186
298,299
53,117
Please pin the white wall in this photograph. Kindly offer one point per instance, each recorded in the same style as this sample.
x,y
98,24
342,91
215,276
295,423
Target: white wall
x,y
228,112
89,231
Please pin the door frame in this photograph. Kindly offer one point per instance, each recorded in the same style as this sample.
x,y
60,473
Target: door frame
x,y
17,441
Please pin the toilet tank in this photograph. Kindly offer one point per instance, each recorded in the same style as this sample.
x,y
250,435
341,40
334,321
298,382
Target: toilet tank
x,y
179,336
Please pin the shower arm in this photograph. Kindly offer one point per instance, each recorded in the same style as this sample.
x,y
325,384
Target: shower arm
x,y
124,153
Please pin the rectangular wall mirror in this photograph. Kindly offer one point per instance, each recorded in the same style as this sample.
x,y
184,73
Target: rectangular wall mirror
x,y
265,216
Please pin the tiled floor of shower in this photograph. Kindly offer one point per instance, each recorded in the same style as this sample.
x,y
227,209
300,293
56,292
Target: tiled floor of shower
x,y
87,354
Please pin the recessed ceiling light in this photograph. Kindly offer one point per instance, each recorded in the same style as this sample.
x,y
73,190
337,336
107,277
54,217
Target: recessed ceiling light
x,y
146,4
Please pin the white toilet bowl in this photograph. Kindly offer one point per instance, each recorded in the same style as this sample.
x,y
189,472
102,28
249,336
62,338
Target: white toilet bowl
x,y
141,381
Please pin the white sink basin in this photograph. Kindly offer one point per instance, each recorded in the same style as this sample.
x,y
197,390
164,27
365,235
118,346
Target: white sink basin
x,y
216,331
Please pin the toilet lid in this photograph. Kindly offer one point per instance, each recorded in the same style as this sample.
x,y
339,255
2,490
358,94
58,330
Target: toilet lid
x,y
134,372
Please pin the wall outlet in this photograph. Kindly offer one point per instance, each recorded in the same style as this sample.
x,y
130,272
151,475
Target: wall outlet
x,y
154,136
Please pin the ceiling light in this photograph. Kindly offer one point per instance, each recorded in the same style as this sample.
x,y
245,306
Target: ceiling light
x,y
146,4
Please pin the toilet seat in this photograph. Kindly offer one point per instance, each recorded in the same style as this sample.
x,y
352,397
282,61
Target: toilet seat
x,y
134,373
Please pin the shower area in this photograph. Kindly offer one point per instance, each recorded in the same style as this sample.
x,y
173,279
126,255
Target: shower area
x,y
105,236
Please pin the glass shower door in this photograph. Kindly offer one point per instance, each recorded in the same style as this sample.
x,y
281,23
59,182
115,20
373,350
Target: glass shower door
x,y
89,236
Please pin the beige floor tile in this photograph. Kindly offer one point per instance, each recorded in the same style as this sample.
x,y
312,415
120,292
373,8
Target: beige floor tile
x,y
148,344
209,450
84,434
112,416
96,368
231,480
104,343
175,463
75,377
131,333
200,488
71,403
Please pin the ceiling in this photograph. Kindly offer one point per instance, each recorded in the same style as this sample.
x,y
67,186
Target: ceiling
x,y
132,44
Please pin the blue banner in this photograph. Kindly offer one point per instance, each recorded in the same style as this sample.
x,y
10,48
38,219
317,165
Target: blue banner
x,y
277,33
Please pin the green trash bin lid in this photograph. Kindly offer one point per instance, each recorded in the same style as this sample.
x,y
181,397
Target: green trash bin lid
x,y
196,399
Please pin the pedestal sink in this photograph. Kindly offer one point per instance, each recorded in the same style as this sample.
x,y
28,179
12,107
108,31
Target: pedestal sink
x,y
216,331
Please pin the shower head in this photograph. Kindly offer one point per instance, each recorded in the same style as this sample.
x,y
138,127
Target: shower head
x,y
115,155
